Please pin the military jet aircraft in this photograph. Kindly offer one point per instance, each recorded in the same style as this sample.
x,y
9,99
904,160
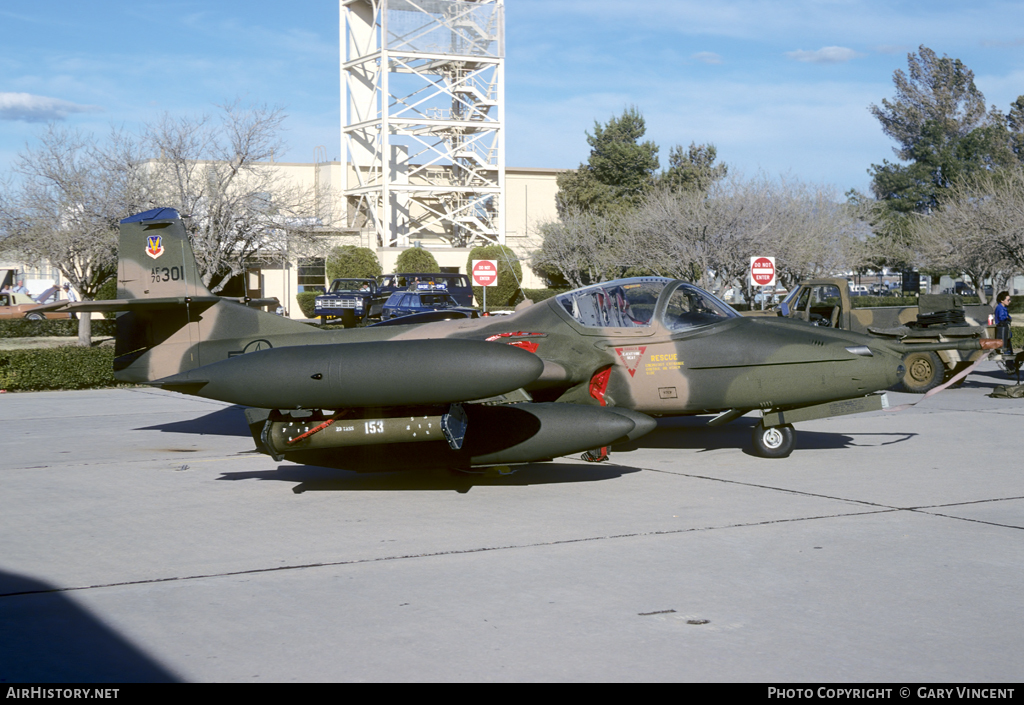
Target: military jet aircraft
x,y
579,372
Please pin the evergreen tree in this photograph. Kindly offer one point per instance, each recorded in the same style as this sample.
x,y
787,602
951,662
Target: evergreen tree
x,y
939,96
693,169
619,171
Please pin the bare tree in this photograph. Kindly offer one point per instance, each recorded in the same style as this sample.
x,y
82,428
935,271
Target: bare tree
x,y
711,238
708,237
67,205
74,189
979,230
584,247
218,174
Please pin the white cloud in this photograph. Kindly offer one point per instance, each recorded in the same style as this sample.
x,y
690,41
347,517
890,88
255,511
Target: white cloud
x,y
37,108
825,55
707,57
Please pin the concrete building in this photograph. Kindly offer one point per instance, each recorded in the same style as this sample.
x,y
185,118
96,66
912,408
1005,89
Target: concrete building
x,y
529,202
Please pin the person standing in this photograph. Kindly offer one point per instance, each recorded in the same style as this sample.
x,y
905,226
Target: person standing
x,y
1003,320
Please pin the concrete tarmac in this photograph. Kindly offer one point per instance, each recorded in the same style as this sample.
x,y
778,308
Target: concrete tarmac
x,y
141,539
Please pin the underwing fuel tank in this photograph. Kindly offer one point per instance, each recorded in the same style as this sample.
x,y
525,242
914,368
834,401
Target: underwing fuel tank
x,y
493,435
349,375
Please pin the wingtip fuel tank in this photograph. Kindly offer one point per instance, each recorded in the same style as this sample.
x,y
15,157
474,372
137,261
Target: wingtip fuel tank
x,y
373,374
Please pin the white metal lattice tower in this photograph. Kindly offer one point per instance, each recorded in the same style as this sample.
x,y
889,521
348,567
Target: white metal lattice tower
x,y
423,119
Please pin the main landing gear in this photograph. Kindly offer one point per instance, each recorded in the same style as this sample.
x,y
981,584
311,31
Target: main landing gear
x,y
774,441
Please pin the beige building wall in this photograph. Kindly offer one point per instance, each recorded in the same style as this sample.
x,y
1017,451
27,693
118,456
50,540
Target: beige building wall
x,y
530,196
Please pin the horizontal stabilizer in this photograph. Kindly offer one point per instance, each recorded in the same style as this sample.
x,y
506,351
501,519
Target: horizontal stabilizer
x,y
118,305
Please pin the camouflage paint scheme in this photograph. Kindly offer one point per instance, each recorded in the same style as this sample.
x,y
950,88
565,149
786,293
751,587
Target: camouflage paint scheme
x,y
581,362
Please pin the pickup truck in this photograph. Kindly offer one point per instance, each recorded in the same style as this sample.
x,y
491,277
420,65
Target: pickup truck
x,y
938,318
347,299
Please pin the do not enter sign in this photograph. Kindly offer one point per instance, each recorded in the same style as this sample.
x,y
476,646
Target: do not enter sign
x,y
485,272
762,271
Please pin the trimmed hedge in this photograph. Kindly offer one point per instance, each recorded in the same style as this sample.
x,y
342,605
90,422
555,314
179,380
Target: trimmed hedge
x,y
62,328
875,301
307,302
1017,332
69,367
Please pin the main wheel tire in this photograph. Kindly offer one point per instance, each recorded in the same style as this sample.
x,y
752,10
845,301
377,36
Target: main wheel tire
x,y
35,317
774,442
924,372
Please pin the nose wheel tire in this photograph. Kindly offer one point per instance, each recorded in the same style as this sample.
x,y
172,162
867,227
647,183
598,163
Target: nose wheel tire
x,y
774,442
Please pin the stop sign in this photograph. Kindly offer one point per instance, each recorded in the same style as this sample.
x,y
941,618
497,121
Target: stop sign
x,y
762,271
485,272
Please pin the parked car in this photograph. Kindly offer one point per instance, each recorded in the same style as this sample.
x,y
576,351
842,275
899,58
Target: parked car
x,y
422,298
457,285
22,306
347,299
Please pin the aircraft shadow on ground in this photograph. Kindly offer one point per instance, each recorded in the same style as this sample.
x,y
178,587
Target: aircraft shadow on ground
x,y
693,433
681,433
48,638
229,421
311,478
993,378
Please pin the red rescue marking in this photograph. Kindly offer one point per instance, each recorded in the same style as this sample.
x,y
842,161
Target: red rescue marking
x,y
631,357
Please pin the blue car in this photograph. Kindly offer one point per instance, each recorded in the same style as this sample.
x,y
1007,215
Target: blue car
x,y
421,300
456,284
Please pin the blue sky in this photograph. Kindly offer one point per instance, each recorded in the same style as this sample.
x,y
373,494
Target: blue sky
x,y
779,87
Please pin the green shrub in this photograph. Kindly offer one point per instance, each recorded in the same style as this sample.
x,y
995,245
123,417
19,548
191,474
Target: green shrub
x,y
307,302
351,262
56,368
62,328
417,261
507,293
538,295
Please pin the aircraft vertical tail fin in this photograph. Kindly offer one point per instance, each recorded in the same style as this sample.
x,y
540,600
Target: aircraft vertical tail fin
x,y
170,322
155,258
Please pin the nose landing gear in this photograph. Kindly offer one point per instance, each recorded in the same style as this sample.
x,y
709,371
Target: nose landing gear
x,y
774,441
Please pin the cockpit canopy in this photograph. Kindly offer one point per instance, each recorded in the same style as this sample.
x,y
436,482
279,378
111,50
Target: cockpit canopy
x,y
633,303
